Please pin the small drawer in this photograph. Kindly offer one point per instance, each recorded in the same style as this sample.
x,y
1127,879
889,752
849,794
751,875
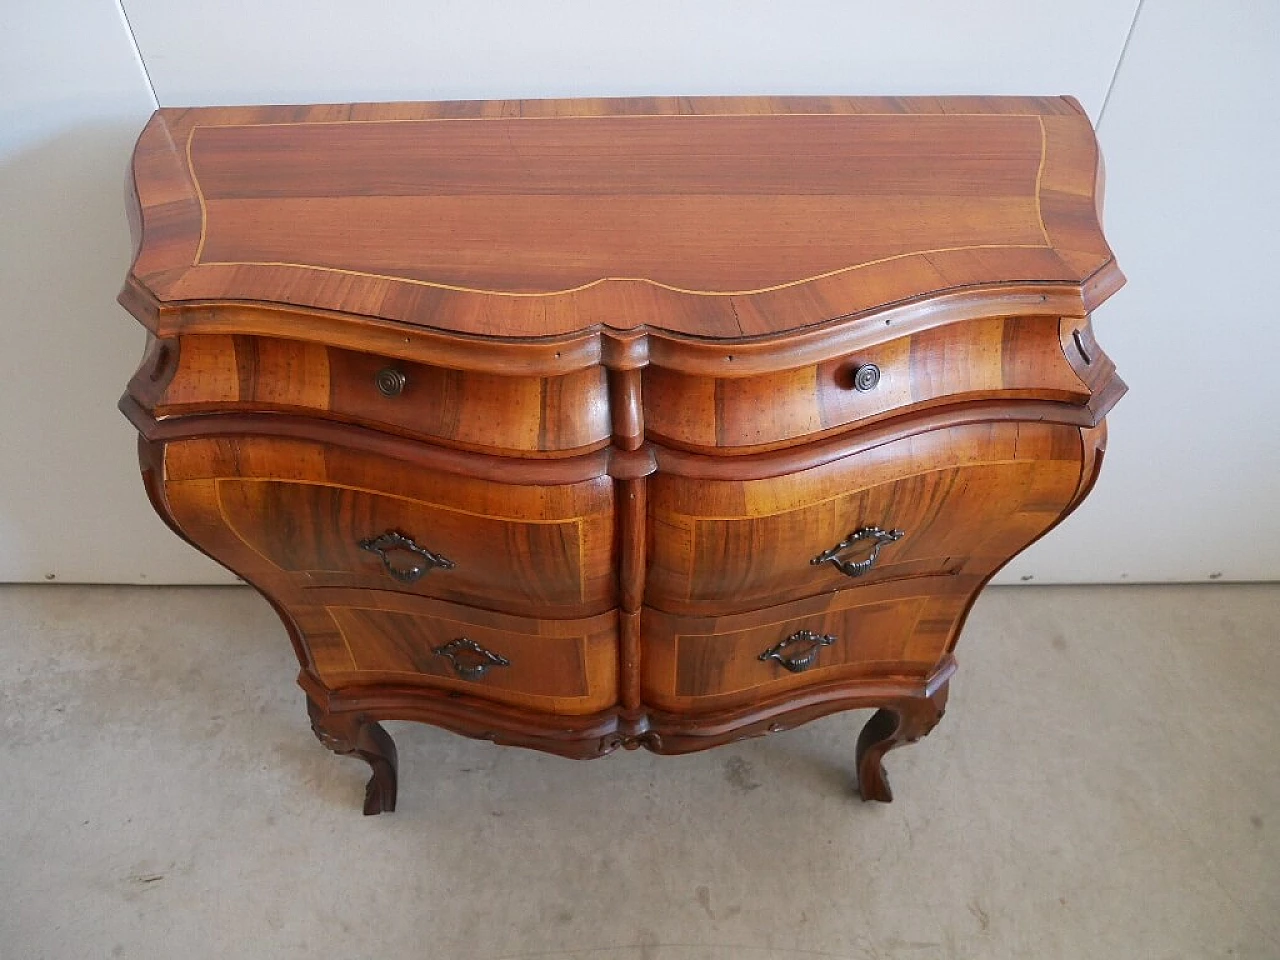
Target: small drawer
x,y
705,664
951,501
313,515
517,416
553,666
1011,358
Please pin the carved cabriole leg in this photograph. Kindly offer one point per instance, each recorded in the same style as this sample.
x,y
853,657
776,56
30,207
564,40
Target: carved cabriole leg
x,y
350,734
905,721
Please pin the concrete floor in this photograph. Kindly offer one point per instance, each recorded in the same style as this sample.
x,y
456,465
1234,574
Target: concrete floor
x,y
1106,783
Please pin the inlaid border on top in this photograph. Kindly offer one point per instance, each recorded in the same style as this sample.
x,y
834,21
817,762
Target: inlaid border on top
x,y
458,288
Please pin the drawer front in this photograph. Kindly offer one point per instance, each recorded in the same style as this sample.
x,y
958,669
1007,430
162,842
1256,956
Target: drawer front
x,y
705,664
518,416
318,515
552,666
1011,358
957,500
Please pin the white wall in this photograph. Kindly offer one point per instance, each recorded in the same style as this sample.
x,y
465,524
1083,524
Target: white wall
x,y
1190,489
1186,132
318,50
73,96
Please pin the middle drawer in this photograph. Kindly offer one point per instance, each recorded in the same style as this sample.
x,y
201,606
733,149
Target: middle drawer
x,y
319,515
948,501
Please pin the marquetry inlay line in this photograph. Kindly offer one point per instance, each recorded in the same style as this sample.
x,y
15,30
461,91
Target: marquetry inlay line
x,y
355,664
582,643
395,496
1044,152
219,481
204,210
595,283
226,521
921,599
623,116
580,638
457,288
809,504
795,681
493,692
939,567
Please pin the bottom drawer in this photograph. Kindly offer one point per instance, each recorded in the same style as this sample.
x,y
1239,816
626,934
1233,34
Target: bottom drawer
x,y
359,638
697,664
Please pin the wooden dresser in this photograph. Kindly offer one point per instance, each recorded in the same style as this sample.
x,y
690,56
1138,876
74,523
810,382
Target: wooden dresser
x,y
587,424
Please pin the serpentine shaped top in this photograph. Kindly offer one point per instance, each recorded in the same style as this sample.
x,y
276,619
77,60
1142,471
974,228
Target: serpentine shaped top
x,y
722,218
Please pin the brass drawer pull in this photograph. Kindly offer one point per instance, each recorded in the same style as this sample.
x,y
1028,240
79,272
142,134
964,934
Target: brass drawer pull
x,y
470,660
856,568
801,650
390,382
391,544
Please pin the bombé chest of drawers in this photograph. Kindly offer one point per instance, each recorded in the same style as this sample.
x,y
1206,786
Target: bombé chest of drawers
x,y
588,424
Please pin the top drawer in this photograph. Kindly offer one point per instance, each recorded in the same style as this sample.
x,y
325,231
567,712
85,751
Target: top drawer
x,y
1009,357
516,416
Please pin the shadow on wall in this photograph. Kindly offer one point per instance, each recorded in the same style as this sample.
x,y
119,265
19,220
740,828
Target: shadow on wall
x,y
71,506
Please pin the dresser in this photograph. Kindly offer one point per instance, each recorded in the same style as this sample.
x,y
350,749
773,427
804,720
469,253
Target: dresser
x,y
587,424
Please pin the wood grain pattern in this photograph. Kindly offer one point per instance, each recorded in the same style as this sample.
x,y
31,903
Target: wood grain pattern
x,y
967,497
1015,358
291,428
704,664
506,415
297,511
620,343
714,217
365,638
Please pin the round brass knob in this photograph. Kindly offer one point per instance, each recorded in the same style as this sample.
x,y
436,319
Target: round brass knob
x,y
390,382
866,377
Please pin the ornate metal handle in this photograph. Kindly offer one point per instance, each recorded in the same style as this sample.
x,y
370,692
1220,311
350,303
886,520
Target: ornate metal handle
x,y
470,660
392,542
856,568
801,649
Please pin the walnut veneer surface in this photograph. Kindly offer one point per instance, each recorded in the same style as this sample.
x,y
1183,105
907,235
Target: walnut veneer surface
x,y
578,424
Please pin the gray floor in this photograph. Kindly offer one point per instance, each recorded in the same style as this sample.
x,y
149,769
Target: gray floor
x,y
1106,784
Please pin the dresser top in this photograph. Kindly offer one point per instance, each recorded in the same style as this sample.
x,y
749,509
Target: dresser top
x,y
723,218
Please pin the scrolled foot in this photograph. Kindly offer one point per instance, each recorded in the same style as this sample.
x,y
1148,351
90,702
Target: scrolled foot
x,y
379,751
355,735
877,739
903,722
